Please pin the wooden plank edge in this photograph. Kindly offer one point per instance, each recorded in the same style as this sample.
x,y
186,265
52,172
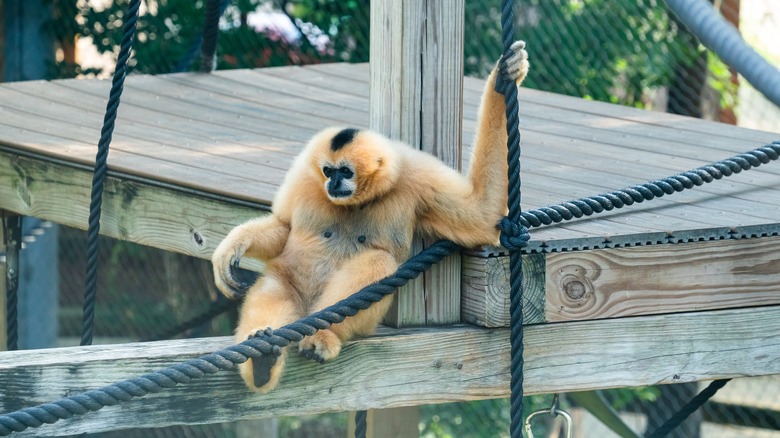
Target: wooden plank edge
x,y
616,282
166,217
405,367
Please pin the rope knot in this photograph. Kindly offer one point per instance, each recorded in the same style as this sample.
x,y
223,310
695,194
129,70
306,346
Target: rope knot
x,y
513,237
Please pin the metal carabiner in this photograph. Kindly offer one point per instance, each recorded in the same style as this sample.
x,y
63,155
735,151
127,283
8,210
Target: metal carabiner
x,y
554,411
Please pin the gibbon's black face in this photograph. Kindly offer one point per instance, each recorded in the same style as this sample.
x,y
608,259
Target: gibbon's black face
x,y
340,181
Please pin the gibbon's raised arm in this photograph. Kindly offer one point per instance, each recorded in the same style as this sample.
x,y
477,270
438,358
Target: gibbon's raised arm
x,y
467,211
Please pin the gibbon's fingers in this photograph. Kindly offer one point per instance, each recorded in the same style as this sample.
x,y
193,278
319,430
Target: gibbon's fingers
x,y
261,238
321,346
225,270
516,64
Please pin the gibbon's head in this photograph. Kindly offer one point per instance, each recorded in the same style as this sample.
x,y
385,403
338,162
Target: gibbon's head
x,y
355,166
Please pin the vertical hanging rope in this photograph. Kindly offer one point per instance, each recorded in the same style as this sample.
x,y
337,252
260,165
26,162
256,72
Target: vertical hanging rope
x,y
99,175
12,238
208,49
360,424
513,235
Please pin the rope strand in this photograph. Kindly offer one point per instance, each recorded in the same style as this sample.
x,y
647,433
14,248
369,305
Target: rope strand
x,y
512,237
99,175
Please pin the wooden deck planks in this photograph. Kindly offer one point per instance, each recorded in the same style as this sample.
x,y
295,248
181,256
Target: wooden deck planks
x,y
399,368
235,132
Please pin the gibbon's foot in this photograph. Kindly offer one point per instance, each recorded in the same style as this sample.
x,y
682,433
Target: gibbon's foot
x,y
262,374
513,68
261,369
321,346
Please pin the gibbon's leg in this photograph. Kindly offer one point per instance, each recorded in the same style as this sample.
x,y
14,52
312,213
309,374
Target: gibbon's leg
x,y
270,303
262,238
360,271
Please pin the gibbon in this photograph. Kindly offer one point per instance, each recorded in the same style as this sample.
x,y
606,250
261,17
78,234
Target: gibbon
x,y
344,218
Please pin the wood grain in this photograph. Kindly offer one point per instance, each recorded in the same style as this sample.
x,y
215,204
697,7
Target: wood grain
x,y
166,218
620,282
662,279
235,133
417,97
405,367
485,290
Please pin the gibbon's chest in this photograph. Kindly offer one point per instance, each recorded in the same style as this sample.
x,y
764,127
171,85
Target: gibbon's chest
x,y
344,232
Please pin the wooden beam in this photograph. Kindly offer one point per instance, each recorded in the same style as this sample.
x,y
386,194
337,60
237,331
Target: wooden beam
x,y
617,282
416,95
486,289
405,367
164,217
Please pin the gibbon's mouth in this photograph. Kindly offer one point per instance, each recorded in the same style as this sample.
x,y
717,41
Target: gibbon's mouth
x,y
340,193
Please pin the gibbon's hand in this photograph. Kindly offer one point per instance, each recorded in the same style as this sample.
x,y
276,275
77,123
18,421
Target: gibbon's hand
x,y
225,261
512,68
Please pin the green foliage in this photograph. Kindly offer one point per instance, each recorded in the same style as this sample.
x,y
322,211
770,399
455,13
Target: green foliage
x,y
167,29
607,50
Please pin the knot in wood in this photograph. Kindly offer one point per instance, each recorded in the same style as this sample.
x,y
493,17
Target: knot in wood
x,y
574,289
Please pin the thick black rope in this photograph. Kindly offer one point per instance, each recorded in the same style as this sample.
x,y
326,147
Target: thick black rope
x,y
216,308
688,409
12,238
208,48
513,237
99,175
360,424
186,60
227,358
650,190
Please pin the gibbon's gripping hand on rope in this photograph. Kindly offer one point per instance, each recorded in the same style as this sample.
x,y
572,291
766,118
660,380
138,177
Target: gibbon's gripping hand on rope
x,y
512,67
344,218
262,238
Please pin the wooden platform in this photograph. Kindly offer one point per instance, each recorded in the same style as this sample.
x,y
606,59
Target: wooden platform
x,y
233,134
194,155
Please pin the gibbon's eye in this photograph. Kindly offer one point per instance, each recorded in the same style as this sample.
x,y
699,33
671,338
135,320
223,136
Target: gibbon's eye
x,y
328,171
346,172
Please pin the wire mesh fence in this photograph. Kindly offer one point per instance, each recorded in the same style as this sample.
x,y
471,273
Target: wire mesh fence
x,y
628,52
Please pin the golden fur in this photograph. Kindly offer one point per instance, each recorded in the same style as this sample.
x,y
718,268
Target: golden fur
x,y
319,248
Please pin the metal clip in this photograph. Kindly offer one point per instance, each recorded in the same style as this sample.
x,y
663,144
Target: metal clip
x,y
554,411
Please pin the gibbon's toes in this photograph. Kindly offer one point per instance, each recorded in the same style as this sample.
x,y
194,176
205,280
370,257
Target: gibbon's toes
x,y
310,354
324,344
262,374
261,369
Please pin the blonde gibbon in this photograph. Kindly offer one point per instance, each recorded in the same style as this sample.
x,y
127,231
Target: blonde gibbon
x,y
345,216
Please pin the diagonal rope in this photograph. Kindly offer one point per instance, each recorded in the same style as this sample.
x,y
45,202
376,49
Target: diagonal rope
x,y
227,358
688,409
650,190
99,175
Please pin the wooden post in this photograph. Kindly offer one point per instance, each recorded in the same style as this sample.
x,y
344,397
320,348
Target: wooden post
x,y
416,95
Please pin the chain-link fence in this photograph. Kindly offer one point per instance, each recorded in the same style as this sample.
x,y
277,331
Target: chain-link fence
x,y
629,52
